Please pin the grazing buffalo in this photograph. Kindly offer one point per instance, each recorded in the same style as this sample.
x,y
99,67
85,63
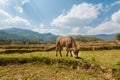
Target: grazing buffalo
x,y
69,44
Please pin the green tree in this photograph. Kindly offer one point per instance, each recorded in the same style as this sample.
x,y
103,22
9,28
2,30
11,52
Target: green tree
x,y
118,36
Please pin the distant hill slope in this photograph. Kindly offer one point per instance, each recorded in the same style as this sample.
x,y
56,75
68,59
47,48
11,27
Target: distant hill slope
x,y
104,36
17,35
86,38
24,36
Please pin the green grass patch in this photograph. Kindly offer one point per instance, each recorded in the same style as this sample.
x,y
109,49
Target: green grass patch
x,y
118,63
97,63
36,71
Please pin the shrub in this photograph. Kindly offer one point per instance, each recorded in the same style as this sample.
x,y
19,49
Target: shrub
x,y
118,36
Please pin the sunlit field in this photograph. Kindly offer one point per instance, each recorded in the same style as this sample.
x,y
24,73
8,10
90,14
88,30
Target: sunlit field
x,y
93,65
38,71
98,61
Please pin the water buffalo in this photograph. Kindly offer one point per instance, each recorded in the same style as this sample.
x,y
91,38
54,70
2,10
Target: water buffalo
x,y
69,44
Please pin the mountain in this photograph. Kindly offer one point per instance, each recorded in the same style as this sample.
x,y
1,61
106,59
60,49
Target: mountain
x,y
16,35
25,36
105,36
86,38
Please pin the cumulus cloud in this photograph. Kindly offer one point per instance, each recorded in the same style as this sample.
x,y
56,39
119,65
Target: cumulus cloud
x,y
15,4
108,27
78,19
3,2
116,17
19,5
75,30
7,21
108,7
115,3
4,15
42,28
19,9
79,16
24,1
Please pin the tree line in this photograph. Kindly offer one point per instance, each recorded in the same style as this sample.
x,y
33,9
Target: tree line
x,y
35,41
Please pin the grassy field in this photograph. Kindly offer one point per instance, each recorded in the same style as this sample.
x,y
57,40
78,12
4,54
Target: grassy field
x,y
37,71
84,46
93,65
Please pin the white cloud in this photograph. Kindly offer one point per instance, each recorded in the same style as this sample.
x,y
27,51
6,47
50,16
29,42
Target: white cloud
x,y
75,30
15,4
17,22
4,15
7,21
20,2
76,20
19,5
42,28
24,1
79,16
108,27
108,7
3,2
116,17
19,9
115,3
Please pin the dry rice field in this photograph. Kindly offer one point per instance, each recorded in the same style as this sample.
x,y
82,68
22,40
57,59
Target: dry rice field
x,y
99,61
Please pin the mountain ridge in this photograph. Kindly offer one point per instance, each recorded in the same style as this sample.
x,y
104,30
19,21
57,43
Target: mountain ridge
x,y
105,36
17,35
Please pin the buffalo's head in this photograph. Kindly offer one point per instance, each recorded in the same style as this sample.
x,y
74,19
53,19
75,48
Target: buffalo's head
x,y
76,51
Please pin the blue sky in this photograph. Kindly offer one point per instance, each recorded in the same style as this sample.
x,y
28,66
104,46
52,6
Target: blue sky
x,y
62,17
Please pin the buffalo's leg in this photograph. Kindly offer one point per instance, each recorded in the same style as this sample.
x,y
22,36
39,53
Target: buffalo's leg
x,y
67,52
60,53
71,53
56,53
